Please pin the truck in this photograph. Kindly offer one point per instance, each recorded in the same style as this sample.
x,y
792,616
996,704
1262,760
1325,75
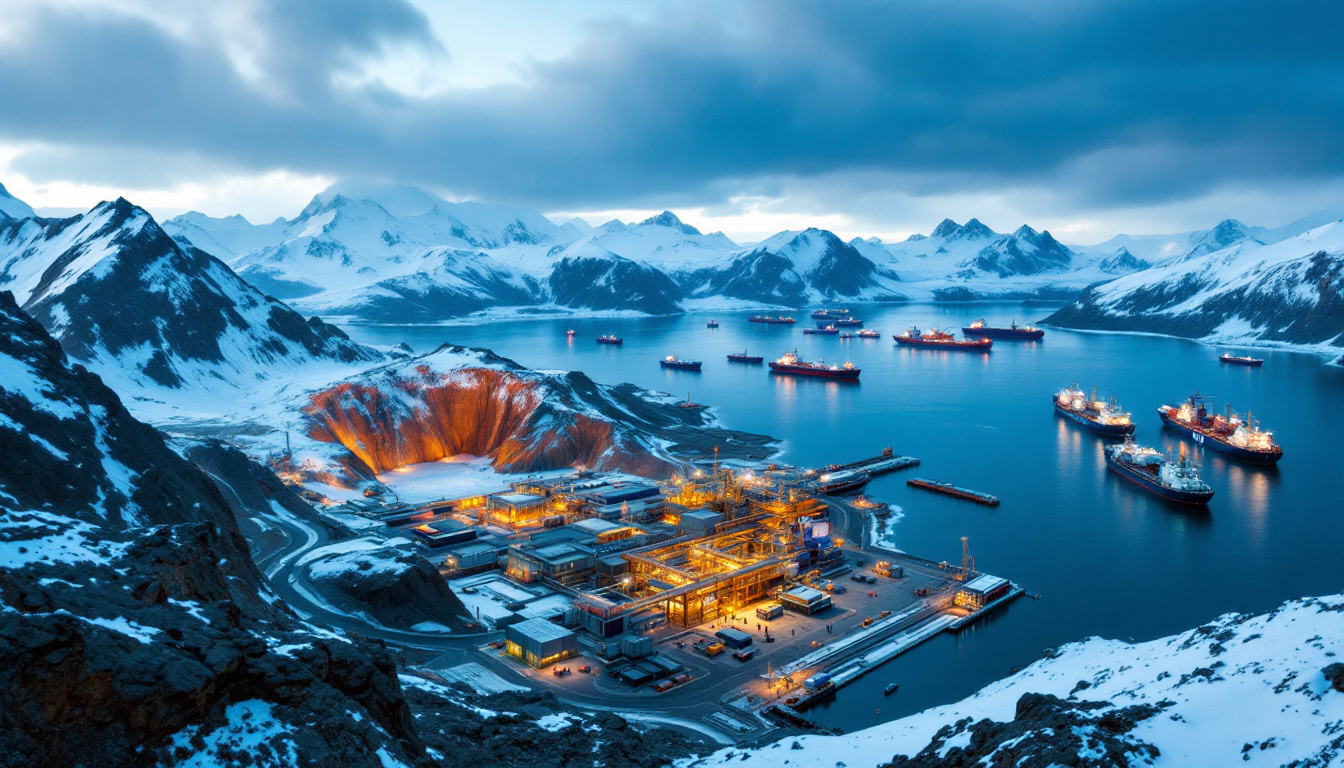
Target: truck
x,y
769,611
714,649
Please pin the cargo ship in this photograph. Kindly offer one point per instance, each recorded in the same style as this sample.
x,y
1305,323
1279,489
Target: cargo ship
x,y
1104,418
712,324
610,339
978,329
671,361
1226,434
1254,362
789,363
847,322
768,320
1174,480
829,330
936,339
842,482
743,357
829,314
868,333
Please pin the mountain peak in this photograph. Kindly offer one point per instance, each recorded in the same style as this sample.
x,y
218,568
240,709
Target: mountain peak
x,y
950,230
946,228
974,228
669,219
12,207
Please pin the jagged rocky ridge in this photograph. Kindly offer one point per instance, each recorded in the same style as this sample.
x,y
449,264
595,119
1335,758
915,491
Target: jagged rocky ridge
x,y
1290,292
135,629
123,297
1264,690
470,401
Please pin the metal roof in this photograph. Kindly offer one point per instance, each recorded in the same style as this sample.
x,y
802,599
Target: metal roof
x,y
540,630
984,584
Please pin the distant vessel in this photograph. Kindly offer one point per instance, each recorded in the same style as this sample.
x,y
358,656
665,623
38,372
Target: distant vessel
x,y
847,322
890,689
978,329
743,357
789,363
1254,362
1104,418
1175,480
937,339
1226,434
690,404
610,339
570,333
712,324
829,330
671,361
868,333
781,320
829,314
844,481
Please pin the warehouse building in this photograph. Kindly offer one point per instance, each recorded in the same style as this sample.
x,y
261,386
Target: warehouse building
x,y
980,591
805,600
539,643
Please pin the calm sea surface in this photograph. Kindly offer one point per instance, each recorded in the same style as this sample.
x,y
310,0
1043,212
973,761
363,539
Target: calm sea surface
x,y
1107,558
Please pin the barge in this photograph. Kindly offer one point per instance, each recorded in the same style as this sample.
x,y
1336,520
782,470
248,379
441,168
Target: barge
x,y
743,357
1226,434
1104,418
978,329
790,364
1177,481
936,339
948,489
781,320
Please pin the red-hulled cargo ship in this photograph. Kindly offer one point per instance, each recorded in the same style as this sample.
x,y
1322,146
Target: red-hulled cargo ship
x,y
936,339
789,363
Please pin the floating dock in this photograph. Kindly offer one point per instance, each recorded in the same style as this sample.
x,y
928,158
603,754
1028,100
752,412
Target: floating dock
x,y
842,478
947,489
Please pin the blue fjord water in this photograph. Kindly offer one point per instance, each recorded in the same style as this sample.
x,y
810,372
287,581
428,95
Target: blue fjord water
x,y
1107,558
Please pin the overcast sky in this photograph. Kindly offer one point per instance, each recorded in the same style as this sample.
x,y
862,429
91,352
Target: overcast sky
x,y
750,117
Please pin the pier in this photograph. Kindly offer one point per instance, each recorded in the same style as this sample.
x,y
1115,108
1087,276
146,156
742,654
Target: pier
x,y
947,489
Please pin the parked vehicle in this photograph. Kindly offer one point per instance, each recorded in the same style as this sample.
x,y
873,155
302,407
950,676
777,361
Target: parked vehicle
x,y
662,686
745,654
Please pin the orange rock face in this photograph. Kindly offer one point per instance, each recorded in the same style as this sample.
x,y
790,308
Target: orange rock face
x,y
481,411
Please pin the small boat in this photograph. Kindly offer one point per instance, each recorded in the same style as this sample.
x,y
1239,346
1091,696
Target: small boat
x,y
868,333
712,324
743,357
610,338
690,404
1104,418
936,339
1253,362
829,330
890,689
1175,480
789,363
978,329
1227,434
671,361
570,333
768,320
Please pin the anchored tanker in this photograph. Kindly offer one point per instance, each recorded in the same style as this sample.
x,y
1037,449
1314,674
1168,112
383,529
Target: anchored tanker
x,y
1226,434
789,363
936,339
1104,418
1175,480
978,329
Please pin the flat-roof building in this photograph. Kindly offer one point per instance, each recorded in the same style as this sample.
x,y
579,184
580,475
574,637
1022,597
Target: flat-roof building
x,y
805,600
539,643
978,592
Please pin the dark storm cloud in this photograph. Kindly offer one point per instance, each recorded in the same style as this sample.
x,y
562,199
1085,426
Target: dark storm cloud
x,y
1120,102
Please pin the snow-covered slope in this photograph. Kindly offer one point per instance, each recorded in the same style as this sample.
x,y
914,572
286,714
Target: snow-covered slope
x,y
1288,292
12,207
136,306
1243,690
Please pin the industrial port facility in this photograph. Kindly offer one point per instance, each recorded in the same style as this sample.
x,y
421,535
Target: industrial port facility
x,y
758,588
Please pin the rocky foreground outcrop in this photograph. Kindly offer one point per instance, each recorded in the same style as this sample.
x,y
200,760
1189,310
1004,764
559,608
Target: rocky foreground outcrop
x,y
392,586
135,629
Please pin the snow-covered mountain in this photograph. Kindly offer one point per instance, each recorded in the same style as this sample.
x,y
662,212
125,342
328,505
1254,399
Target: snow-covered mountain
x,y
1287,292
11,207
1246,690
138,307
